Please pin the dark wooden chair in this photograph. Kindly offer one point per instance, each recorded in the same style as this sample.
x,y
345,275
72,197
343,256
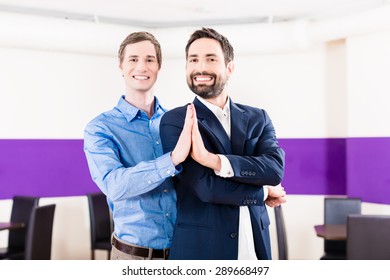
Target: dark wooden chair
x,y
281,233
368,237
100,222
39,233
336,211
22,207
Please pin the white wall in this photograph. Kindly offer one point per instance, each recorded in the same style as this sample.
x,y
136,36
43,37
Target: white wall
x,y
368,85
47,94
284,84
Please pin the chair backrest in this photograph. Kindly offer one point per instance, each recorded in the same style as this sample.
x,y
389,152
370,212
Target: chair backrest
x,y
22,207
337,209
100,218
281,233
39,233
368,237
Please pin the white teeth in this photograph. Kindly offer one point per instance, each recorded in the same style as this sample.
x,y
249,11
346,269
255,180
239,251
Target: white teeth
x,y
140,77
203,79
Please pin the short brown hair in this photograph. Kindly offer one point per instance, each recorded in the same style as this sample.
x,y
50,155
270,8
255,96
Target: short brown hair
x,y
136,37
227,48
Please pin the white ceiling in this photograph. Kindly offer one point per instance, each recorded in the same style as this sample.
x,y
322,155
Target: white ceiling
x,y
178,13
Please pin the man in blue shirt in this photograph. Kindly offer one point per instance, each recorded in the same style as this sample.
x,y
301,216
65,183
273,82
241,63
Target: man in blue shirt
x,y
126,159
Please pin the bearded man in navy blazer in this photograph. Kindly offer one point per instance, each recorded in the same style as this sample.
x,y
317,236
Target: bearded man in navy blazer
x,y
235,166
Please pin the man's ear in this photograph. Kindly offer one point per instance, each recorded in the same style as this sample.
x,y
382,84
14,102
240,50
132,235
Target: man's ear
x,y
230,68
120,68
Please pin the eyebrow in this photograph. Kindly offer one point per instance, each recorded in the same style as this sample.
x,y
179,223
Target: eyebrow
x,y
136,56
207,55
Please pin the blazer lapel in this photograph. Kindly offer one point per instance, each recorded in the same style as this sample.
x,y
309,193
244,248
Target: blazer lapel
x,y
239,128
212,126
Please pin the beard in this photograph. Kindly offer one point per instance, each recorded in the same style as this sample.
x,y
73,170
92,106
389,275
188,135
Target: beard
x,y
207,91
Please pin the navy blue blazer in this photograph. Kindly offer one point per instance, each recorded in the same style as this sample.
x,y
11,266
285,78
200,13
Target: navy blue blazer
x,y
208,205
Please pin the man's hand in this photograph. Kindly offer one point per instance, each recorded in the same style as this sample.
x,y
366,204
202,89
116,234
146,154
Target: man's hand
x,y
276,196
183,146
198,151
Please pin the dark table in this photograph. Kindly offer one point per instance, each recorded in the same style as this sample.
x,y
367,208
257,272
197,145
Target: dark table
x,y
10,225
331,232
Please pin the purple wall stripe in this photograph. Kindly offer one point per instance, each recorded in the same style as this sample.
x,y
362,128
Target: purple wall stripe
x,y
314,166
353,166
45,168
369,169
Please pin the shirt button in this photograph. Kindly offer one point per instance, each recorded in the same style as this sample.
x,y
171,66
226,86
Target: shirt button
x,y
168,171
157,142
165,190
233,235
149,182
167,214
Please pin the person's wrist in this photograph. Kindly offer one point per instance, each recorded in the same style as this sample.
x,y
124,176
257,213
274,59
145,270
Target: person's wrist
x,y
174,159
216,162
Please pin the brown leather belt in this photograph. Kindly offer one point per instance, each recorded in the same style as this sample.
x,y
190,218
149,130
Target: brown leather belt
x,y
140,252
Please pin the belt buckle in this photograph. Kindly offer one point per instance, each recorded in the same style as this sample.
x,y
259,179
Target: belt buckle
x,y
166,253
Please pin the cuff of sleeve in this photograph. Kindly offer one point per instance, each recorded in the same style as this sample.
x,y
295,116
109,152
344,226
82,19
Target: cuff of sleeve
x,y
226,168
165,166
265,190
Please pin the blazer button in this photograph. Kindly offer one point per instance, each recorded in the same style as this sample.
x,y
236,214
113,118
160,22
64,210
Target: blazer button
x,y
233,235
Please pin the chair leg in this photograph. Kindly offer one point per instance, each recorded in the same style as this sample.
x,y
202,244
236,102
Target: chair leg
x,y
92,254
109,255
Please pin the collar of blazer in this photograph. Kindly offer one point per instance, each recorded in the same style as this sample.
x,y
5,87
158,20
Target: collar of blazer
x,y
214,134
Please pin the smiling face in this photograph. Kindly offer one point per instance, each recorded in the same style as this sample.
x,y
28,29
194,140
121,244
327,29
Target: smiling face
x,y
207,72
139,67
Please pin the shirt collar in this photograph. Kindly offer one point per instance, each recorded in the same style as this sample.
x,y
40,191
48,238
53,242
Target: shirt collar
x,y
213,108
130,111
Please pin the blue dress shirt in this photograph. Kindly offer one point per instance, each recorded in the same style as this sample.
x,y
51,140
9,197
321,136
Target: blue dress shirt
x,y
126,161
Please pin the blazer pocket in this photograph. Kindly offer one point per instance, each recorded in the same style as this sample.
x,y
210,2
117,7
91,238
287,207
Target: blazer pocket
x,y
194,226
